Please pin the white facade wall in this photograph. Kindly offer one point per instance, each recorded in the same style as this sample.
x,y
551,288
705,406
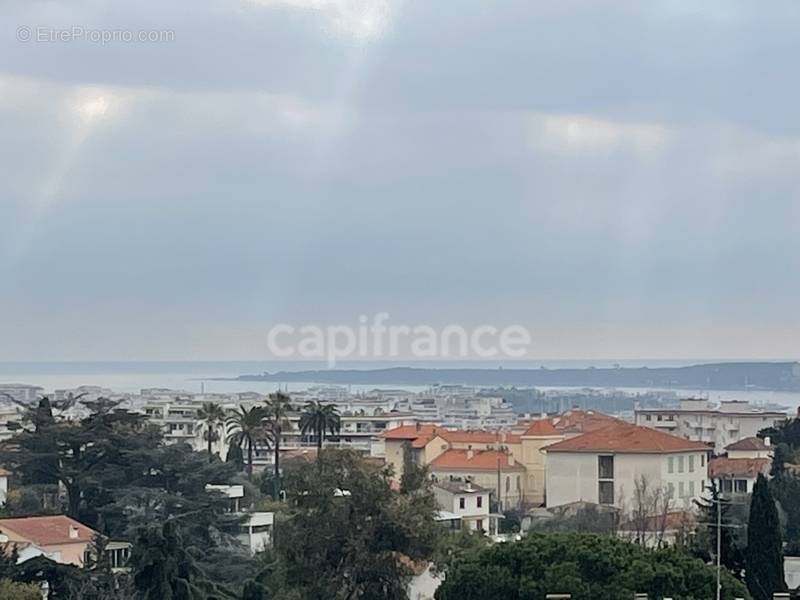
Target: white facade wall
x,y
451,502
574,476
710,426
510,494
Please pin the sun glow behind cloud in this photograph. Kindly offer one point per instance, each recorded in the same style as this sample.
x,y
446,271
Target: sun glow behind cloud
x,y
577,133
360,20
83,111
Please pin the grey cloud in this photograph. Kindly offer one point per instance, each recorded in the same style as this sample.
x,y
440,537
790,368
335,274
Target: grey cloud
x,y
564,166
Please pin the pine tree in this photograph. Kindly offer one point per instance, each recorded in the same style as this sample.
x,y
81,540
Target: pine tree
x,y
764,555
704,544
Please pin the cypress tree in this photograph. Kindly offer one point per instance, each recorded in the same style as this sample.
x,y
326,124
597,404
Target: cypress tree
x,y
764,556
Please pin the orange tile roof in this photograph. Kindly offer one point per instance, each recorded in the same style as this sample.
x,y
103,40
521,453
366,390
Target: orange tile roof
x,y
419,437
738,467
481,460
48,531
582,421
409,432
623,437
541,427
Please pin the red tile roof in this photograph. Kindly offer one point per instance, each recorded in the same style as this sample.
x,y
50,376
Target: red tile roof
x,y
750,443
48,531
723,466
582,421
623,437
541,427
481,460
419,437
409,432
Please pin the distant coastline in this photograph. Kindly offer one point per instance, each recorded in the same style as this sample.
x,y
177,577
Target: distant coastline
x,y
777,376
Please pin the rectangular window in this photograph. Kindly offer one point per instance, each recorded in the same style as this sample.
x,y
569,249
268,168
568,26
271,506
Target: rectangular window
x,y
740,486
681,491
727,486
691,489
606,492
691,463
480,501
680,464
479,524
461,503
702,460
671,464
605,467
670,490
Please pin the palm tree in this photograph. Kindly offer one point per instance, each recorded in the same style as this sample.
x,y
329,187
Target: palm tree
x,y
212,416
320,419
277,409
246,428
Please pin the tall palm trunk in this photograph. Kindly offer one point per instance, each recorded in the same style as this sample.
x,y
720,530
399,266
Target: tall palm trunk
x,y
276,491
250,460
209,443
320,435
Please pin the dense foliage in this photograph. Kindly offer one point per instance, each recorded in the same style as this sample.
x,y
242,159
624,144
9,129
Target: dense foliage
x,y
784,483
348,534
588,566
733,531
118,476
764,556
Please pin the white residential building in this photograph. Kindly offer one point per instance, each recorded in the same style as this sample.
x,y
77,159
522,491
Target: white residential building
x,y
179,422
257,528
9,413
738,470
465,505
257,531
461,407
21,392
604,466
4,475
699,420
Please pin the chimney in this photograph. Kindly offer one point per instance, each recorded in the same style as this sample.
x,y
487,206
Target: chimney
x,y
767,442
73,532
417,425
470,453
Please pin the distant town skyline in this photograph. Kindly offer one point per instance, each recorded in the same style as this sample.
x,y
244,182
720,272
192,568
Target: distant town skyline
x,y
620,178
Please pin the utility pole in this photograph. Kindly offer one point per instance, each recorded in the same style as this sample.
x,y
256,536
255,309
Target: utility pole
x,y
719,547
718,524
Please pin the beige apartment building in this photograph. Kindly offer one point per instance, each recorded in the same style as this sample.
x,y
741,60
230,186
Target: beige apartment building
x,y
603,467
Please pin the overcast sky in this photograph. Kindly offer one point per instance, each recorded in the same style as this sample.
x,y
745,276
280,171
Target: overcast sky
x,y
623,178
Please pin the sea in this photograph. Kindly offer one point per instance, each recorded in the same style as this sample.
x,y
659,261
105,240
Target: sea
x,y
210,376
